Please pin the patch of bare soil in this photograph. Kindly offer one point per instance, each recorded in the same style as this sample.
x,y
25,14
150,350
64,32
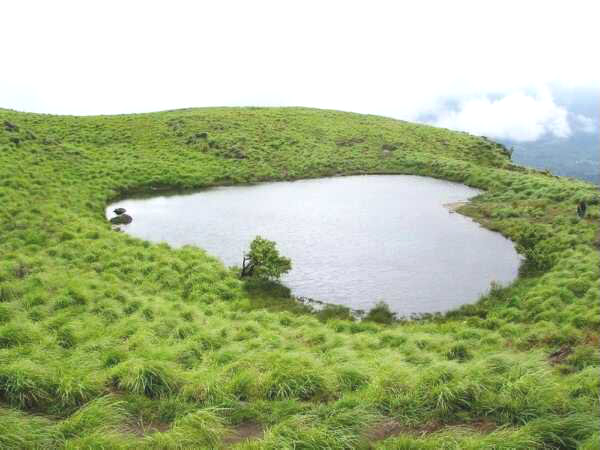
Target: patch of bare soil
x,y
592,339
244,431
390,428
384,430
479,426
560,355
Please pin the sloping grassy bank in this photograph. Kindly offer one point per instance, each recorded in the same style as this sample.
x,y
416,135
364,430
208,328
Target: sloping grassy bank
x,y
109,341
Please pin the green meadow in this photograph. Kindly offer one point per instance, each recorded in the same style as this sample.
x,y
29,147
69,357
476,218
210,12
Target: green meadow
x,y
107,341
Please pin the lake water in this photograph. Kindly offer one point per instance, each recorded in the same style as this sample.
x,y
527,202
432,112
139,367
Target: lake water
x,y
352,240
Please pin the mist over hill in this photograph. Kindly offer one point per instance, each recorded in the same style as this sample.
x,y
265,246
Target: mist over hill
x,y
577,155
552,127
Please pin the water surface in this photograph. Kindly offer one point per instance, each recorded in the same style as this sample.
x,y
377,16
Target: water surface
x,y
352,240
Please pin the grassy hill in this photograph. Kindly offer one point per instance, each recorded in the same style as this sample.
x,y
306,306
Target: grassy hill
x,y
107,341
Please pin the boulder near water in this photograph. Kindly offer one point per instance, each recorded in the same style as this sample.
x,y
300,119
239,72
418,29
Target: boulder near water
x,y
120,211
121,219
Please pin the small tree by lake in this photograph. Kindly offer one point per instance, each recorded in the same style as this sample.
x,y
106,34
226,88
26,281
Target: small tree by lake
x,y
263,261
381,313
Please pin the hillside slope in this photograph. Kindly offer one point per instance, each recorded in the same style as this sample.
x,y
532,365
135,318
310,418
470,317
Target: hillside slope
x,y
112,342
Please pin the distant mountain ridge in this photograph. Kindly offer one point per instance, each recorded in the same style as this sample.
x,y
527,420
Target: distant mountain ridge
x,y
577,156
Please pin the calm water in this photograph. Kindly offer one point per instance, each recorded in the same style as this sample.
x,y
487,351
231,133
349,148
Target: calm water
x,y
352,240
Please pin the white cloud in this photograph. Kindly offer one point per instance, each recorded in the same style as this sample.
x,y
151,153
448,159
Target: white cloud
x,y
585,124
518,117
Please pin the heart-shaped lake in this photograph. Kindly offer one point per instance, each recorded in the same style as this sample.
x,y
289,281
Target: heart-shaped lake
x,y
352,240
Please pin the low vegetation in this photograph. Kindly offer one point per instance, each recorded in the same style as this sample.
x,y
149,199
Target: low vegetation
x,y
107,341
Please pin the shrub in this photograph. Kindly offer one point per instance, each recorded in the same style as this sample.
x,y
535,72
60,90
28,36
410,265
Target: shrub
x,y
148,314
102,414
256,287
71,389
459,352
8,292
530,237
568,431
584,356
206,389
13,334
152,379
304,432
538,250
329,312
200,429
538,258
18,431
25,385
243,385
381,313
113,357
294,381
393,340
5,314
578,287
352,379
65,337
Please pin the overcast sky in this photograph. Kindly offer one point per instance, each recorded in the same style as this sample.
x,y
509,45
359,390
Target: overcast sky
x,y
486,67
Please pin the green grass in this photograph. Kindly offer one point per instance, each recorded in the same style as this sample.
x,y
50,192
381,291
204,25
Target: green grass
x,y
111,342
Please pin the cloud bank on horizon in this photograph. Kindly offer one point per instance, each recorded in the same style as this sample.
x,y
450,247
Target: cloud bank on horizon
x,y
517,117
482,67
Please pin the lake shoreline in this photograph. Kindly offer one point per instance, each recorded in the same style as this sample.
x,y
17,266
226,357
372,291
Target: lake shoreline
x,y
322,222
